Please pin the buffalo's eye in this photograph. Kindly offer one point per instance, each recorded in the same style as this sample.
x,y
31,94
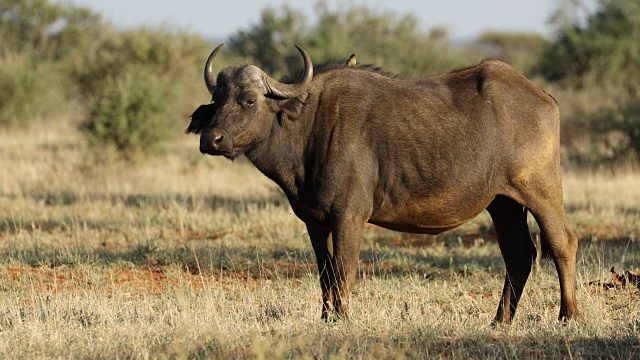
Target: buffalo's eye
x,y
247,99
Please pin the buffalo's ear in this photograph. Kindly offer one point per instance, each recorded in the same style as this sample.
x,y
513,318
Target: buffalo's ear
x,y
200,118
195,126
192,130
291,109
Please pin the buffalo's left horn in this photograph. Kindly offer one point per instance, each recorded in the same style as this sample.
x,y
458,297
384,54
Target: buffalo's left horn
x,y
209,75
287,91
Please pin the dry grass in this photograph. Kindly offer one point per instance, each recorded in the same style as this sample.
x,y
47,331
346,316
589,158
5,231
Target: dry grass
x,y
191,256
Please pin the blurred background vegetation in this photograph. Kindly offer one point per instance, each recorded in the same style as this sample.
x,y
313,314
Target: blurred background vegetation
x,y
133,90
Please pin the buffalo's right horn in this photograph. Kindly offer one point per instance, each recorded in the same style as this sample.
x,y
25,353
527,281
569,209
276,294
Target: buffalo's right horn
x,y
287,91
209,75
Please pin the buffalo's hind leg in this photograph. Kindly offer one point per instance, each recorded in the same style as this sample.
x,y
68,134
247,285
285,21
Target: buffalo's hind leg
x,y
323,248
510,221
542,195
562,244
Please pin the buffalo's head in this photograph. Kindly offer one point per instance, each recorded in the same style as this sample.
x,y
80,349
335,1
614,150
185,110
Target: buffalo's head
x,y
244,101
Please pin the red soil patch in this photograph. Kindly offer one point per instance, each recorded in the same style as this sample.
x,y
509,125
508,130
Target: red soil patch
x,y
370,265
154,280
150,280
601,231
46,280
195,235
484,295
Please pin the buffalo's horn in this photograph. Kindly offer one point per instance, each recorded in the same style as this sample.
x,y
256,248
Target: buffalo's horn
x,y
287,91
209,75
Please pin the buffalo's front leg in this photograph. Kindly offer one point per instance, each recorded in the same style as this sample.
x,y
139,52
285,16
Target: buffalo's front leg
x,y
323,248
347,238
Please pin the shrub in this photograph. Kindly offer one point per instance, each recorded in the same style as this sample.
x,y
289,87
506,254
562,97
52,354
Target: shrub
x,y
24,88
130,114
618,129
47,29
164,70
600,50
174,55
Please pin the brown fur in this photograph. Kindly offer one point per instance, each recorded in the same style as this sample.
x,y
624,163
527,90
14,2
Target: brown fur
x,y
415,155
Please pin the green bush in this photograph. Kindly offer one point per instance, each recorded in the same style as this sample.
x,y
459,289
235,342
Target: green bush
x,y
48,30
23,88
618,131
174,55
130,114
164,65
601,50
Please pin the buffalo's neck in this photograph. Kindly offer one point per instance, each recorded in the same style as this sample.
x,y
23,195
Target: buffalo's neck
x,y
280,154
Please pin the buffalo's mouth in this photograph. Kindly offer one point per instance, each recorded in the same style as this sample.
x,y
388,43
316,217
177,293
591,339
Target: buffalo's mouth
x,y
231,155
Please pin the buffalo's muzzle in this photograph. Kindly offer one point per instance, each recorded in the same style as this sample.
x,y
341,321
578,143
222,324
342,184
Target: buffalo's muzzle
x,y
214,143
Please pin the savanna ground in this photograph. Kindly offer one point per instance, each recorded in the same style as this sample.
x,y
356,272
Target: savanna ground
x,y
192,256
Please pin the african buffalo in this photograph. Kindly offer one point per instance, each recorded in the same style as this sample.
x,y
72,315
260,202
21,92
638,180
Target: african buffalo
x,y
351,145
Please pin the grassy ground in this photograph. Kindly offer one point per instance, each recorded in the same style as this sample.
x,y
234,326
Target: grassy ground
x,y
191,256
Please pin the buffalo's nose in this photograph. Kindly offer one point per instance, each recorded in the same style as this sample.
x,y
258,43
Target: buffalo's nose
x,y
216,140
211,141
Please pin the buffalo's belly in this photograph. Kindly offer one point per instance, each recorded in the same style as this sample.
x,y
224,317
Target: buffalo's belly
x,y
414,228
432,216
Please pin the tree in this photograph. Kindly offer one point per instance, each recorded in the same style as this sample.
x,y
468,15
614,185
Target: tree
x,y
46,30
270,42
603,49
37,39
379,37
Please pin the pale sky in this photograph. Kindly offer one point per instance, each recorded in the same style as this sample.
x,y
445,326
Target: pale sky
x,y
219,19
